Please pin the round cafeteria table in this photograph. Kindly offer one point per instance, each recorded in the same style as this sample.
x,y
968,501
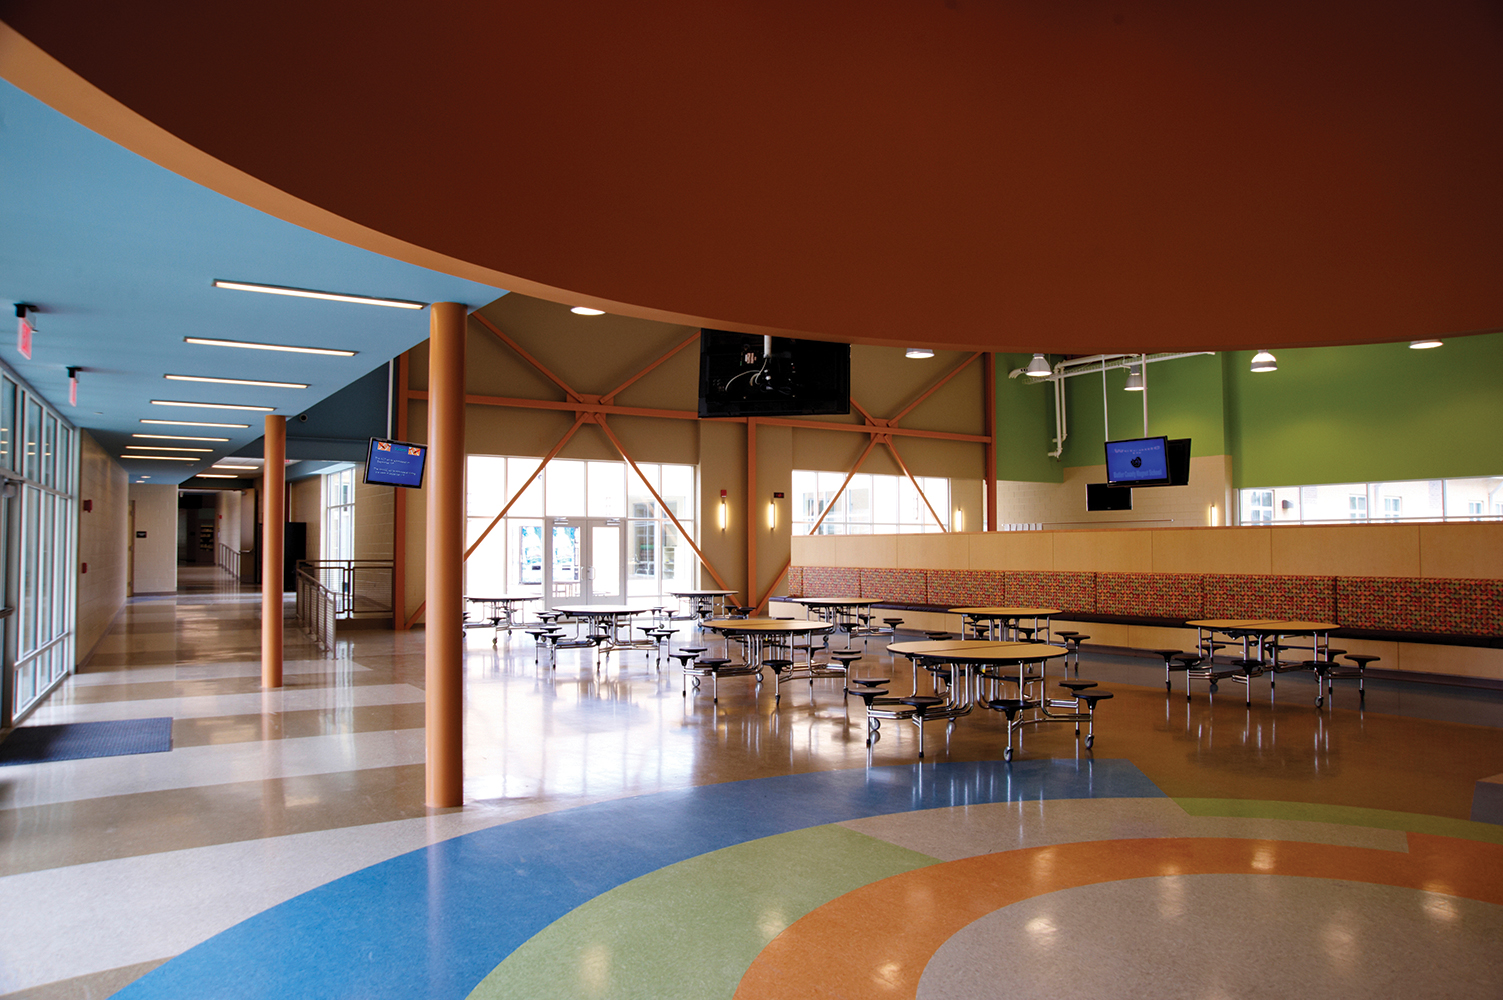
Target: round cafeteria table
x,y
1000,616
757,632
607,620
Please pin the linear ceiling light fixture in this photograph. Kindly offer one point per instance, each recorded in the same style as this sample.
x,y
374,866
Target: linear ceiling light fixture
x,y
1038,366
247,468
165,447
195,423
210,475
237,381
313,293
175,437
1264,362
211,342
1423,345
918,352
211,406
587,311
162,458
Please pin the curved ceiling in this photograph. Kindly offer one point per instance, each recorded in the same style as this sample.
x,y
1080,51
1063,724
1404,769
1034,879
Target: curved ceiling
x,y
1135,176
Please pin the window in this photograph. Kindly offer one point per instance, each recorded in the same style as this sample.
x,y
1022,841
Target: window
x,y
1259,507
339,515
512,558
880,505
1402,500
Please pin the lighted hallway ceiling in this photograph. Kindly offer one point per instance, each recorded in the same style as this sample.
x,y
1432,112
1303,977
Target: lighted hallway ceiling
x,y
1032,176
120,253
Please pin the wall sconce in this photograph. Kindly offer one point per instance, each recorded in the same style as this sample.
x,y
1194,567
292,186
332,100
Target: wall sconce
x,y
772,511
723,514
1215,518
957,521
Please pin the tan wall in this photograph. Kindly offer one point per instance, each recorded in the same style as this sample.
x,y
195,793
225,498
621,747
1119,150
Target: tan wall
x,y
374,507
156,554
305,502
1062,506
596,355
101,543
1422,550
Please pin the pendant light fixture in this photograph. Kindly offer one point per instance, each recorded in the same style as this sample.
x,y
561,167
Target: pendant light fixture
x,y
1264,362
1134,378
1039,366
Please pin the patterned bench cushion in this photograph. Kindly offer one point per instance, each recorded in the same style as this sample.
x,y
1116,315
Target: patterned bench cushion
x,y
1153,595
960,588
795,581
901,586
832,581
1068,591
1299,598
1408,604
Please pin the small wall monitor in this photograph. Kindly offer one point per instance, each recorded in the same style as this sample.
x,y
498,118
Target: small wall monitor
x,y
395,463
1138,462
1179,461
1100,496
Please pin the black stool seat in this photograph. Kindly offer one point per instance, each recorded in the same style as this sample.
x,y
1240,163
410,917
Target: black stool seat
x,y
870,681
1077,686
1012,706
711,662
696,650
1076,637
892,622
922,702
778,664
937,635
1188,660
866,694
1092,697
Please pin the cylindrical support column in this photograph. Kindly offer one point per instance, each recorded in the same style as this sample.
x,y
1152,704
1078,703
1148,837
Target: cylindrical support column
x,y
445,562
273,517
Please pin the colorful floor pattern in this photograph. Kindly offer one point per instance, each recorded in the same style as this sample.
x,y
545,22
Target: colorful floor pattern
x,y
891,881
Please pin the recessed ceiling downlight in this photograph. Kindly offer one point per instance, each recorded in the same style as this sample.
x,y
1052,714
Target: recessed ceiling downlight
x,y
919,352
587,311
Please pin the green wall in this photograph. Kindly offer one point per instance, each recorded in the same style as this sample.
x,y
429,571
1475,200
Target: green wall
x,y
1328,415
1360,414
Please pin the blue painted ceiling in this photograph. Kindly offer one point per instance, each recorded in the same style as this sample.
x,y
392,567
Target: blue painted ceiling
x,y
119,255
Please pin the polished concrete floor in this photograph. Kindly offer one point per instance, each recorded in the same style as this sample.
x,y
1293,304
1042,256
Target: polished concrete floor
x,y
623,840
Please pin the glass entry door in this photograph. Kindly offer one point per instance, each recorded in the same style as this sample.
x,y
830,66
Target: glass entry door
x,y
586,561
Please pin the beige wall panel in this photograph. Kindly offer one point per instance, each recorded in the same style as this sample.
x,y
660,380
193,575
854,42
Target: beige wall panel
x,y
493,369
1464,661
497,430
374,510
1461,550
956,408
814,550
1342,550
1011,550
966,496
671,442
878,551
774,475
837,451
102,540
1213,550
156,554
1103,551
1147,637
935,457
948,551
305,503
722,466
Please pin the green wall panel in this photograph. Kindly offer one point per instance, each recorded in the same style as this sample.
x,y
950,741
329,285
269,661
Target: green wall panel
x,y
1368,413
1025,426
1184,400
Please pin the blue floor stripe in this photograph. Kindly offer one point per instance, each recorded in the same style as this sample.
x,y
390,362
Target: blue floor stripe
x,y
434,922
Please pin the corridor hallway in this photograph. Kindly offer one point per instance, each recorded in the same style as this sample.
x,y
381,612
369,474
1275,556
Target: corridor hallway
x,y
622,840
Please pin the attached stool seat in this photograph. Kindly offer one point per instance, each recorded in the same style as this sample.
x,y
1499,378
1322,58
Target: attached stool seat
x,y
921,704
1359,671
1168,655
1010,707
1091,698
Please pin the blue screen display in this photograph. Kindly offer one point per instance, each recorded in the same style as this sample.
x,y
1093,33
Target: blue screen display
x,y
1139,461
395,463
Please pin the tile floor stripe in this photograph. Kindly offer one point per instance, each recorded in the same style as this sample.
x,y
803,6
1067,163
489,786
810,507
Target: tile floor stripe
x,y
1379,819
435,922
692,928
888,931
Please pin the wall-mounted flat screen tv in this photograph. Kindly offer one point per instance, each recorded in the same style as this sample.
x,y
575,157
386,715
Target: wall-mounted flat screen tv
x,y
746,375
1138,462
1100,496
1179,461
395,463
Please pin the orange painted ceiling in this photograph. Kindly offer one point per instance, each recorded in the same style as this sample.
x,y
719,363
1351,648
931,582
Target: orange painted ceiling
x,y
1035,175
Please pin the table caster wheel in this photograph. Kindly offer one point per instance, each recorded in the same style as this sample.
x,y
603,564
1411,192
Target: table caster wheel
x,y
1090,741
1007,754
1319,701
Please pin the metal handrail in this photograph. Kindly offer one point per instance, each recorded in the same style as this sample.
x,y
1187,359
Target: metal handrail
x,y
361,588
316,611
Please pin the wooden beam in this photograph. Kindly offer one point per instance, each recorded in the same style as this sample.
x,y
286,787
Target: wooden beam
x,y
522,352
578,423
935,387
899,459
610,397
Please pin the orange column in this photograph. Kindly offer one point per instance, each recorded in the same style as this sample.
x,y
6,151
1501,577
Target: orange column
x,y
445,585
273,517
989,465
